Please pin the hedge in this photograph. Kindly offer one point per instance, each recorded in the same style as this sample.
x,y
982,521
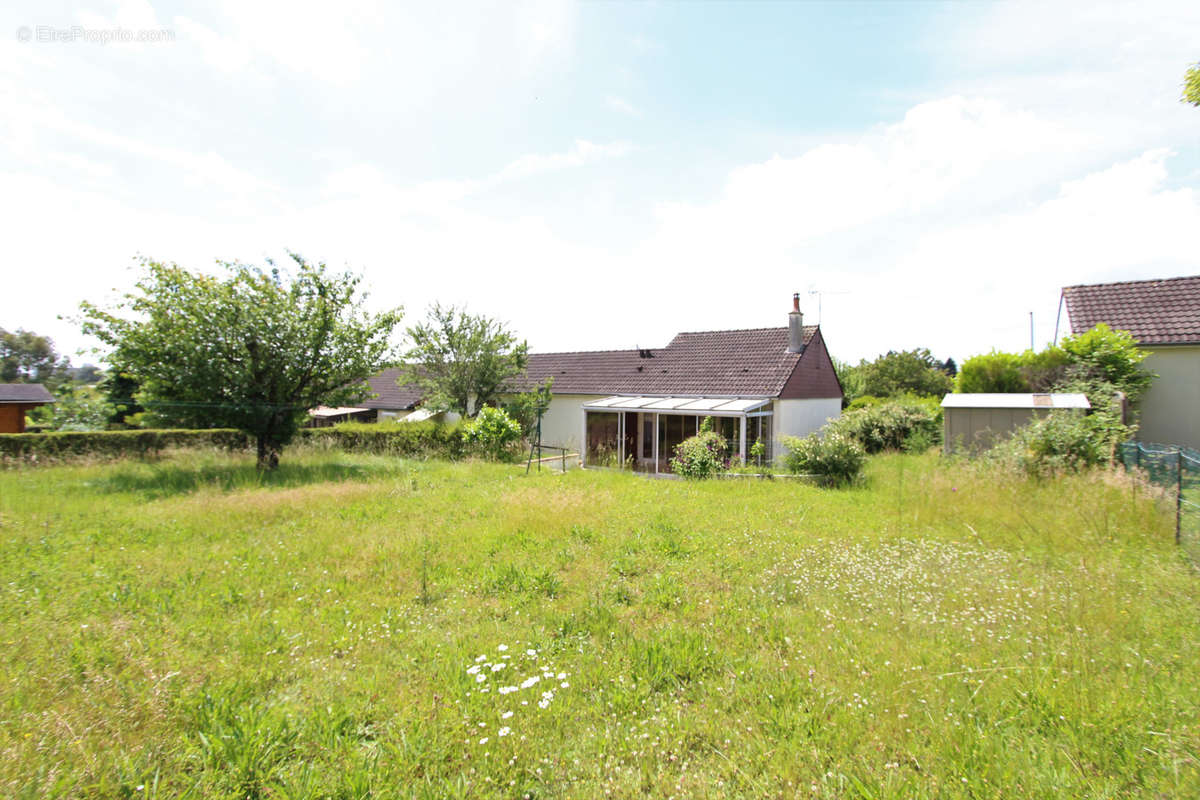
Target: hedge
x,y
427,439
410,439
113,444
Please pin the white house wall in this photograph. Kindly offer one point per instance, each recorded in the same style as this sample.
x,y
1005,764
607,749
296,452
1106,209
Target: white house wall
x,y
1169,412
802,417
562,424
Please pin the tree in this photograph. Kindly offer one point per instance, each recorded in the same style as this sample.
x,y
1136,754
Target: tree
x,y
1191,85
252,350
462,361
1107,356
26,357
905,372
526,407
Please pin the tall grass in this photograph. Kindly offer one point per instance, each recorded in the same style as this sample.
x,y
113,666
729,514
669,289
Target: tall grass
x,y
358,626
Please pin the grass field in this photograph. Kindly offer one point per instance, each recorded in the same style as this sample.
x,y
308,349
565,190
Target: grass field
x,y
366,627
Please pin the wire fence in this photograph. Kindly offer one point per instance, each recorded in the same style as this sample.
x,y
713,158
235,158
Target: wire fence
x,y
1176,469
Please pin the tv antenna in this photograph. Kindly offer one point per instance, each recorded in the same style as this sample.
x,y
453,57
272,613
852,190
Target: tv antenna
x,y
819,293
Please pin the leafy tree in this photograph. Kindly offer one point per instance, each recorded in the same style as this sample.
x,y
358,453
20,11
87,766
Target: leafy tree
x,y
120,390
851,378
26,357
905,372
88,374
526,406
1191,85
993,372
462,361
252,350
1104,355
79,408
950,367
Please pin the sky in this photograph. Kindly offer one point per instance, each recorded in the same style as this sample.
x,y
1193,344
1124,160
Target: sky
x,y
602,175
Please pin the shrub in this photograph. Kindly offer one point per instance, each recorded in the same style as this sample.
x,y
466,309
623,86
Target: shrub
x,y
993,372
889,425
701,456
833,455
1062,441
493,433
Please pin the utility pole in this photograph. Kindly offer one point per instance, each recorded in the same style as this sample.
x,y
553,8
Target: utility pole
x,y
1031,347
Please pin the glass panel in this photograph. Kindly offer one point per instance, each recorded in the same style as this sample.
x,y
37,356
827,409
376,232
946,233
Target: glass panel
x,y
647,436
601,438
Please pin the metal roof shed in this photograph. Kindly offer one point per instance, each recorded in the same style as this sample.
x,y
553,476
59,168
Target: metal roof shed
x,y
976,421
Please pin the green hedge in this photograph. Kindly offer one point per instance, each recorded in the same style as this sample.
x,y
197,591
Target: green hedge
x,y
427,439
411,439
113,444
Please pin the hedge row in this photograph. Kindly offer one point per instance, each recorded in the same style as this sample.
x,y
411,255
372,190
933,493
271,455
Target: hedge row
x,y
410,439
115,444
420,439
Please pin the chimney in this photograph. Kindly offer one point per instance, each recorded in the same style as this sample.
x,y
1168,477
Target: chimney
x,y
795,327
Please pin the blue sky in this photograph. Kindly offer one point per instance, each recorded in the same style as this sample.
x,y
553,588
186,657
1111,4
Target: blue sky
x,y
604,174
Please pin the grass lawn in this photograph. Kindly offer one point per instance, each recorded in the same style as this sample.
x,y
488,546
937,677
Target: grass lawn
x,y
367,627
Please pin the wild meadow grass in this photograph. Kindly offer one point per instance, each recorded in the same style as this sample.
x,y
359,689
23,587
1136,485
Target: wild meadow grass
x,y
359,626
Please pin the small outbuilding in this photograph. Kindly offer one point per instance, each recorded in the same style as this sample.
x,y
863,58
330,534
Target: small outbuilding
x,y
16,399
975,422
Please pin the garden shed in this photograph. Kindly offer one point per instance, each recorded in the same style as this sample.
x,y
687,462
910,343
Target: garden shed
x,y
975,422
16,399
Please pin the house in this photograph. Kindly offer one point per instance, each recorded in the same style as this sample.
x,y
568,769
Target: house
x,y
1164,316
976,421
18,398
635,406
390,401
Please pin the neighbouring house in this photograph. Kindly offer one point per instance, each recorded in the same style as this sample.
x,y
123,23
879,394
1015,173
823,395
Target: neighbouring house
x,y
1164,316
634,406
390,401
18,398
975,422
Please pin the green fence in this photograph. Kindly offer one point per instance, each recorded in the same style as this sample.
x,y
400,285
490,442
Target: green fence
x,y
1176,469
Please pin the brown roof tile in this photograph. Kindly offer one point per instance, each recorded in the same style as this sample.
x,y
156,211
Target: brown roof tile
x,y
1156,312
391,396
749,363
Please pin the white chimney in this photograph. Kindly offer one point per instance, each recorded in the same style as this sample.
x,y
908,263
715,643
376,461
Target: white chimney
x,y
795,327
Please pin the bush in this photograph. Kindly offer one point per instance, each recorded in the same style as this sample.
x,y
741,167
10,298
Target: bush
x,y
892,425
1062,441
493,433
833,455
701,456
112,444
409,439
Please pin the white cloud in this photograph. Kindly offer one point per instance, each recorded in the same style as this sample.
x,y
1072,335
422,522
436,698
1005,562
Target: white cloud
x,y
621,105
581,152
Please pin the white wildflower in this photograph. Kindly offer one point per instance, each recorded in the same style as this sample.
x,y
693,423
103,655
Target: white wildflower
x,y
505,731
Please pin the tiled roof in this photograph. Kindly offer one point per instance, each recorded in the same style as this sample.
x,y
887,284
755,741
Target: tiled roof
x,y
24,393
747,363
1155,312
391,396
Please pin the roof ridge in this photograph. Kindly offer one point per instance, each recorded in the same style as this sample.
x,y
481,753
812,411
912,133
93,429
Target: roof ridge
x,y
1131,282
579,352
746,330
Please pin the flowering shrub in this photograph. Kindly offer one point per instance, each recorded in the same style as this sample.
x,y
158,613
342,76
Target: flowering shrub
x,y
701,456
492,433
900,424
833,455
